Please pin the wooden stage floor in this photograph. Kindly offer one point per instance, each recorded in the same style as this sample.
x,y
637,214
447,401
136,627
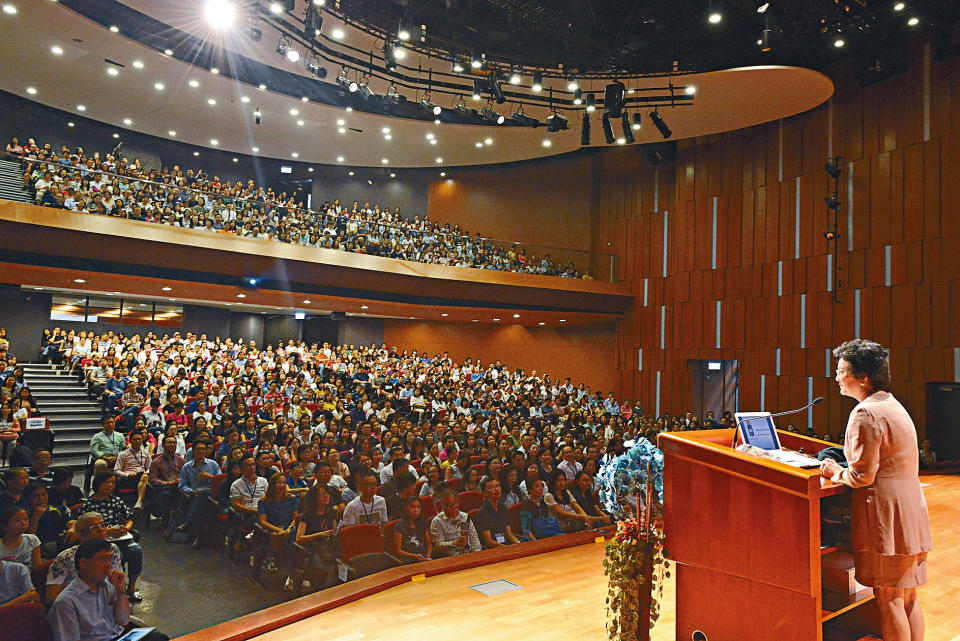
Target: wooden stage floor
x,y
563,596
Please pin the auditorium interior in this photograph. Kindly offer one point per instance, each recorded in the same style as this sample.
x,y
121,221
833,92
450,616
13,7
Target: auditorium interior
x,y
445,244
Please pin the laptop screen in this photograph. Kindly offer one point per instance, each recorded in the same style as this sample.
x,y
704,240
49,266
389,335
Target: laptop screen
x,y
758,430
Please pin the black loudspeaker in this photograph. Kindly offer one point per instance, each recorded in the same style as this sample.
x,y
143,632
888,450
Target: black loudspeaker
x,y
875,64
661,153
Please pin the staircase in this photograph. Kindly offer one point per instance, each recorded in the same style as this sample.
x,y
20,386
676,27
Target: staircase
x,y
11,183
73,419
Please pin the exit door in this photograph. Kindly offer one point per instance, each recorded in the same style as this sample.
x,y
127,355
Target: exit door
x,y
943,420
714,386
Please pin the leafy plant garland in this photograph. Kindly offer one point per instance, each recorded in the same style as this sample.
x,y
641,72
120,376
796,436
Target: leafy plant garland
x,y
631,488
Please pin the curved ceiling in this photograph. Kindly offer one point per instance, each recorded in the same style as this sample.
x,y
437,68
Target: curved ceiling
x,y
162,94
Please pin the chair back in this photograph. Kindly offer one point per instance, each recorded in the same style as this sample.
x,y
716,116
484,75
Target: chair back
x,y
428,508
470,501
454,484
415,464
514,512
475,459
25,622
215,483
360,539
389,540
39,577
41,439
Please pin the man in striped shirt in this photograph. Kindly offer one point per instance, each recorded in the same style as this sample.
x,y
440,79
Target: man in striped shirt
x,y
132,466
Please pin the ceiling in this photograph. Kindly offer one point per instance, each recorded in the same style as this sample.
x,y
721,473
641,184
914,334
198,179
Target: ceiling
x,y
214,110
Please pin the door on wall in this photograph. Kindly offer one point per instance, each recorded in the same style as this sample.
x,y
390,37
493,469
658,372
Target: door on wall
x,y
943,420
714,386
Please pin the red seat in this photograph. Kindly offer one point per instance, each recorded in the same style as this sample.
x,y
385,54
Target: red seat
x,y
481,469
39,577
360,539
514,512
428,508
420,485
416,464
473,517
455,484
475,459
313,407
25,622
215,483
470,501
389,540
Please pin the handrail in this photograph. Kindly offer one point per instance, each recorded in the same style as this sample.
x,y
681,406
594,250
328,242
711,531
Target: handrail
x,y
260,200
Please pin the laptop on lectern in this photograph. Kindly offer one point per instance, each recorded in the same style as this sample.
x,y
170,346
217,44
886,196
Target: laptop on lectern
x,y
757,429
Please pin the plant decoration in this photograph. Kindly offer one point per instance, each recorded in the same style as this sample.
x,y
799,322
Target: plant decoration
x,y
631,488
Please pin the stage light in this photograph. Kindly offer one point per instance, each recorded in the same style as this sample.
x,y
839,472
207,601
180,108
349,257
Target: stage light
x,y
456,66
392,96
832,203
613,99
585,130
495,88
537,81
363,88
389,57
491,115
477,90
660,124
286,50
627,128
427,105
342,80
403,34
578,96
313,66
607,128
591,102
556,121
830,235
219,13
515,77
637,121
832,167
523,119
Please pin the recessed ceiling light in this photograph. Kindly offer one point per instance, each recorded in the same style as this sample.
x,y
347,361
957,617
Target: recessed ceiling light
x,y
444,314
236,160
168,52
114,28
255,149
241,295
393,175
443,174
838,43
488,141
310,169
429,135
516,315
341,122
211,101
194,84
79,280
364,307
299,123
32,91
342,130
337,33
244,99
304,99
158,86
439,159
563,320
262,86
348,109
57,51
496,320
715,17
384,161
137,64
350,173
385,130
196,153
81,108
433,141
294,112
541,323
127,121
387,137
899,6
214,142
276,8
10,9
166,289
70,124
690,90
478,145
116,135
306,302
294,154
214,70
914,21
171,133
112,71
339,158
547,142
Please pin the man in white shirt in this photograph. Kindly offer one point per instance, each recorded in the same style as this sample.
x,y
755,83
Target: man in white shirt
x,y
246,491
368,507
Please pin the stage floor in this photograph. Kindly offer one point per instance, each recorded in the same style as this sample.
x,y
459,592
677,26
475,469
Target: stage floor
x,y
563,592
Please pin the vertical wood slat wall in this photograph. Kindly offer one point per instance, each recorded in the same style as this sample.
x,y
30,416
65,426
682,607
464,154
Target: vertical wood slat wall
x,y
900,193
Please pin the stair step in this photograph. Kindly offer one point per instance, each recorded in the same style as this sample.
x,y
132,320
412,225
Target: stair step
x,y
55,409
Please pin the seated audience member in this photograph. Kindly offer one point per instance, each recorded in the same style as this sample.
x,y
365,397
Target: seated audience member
x,y
537,520
278,511
247,491
88,526
46,521
63,493
15,480
39,471
493,518
105,446
411,535
164,477
129,406
94,606
334,484
368,507
451,531
296,484
571,515
9,432
317,532
569,465
432,477
15,585
509,487
131,468
116,517
406,487
928,458
195,477
585,497
16,545
154,418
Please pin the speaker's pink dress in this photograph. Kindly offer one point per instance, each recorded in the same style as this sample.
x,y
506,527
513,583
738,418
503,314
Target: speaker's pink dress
x,y
891,527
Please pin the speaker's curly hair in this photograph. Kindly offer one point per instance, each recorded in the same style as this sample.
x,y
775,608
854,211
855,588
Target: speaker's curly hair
x,y
866,358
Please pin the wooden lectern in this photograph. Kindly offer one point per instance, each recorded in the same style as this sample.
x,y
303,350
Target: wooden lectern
x,y
744,533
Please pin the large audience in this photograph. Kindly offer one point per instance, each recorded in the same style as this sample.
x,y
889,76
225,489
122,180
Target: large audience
x,y
114,186
273,451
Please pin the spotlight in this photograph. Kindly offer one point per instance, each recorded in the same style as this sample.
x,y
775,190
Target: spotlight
x,y
833,168
578,96
491,115
830,235
515,77
392,96
637,121
313,66
285,49
495,88
312,23
585,130
523,119
556,122
389,56
613,99
343,80
627,129
572,84
477,90
659,124
409,31
463,110
832,203
219,13
476,60
428,106
591,102
363,88
257,115
838,43
537,81
607,128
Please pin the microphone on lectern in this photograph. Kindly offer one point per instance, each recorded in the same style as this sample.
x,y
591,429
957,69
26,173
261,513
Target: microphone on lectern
x,y
736,429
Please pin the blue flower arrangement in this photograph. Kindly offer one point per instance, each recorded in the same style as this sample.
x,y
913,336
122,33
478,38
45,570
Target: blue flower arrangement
x,y
623,481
